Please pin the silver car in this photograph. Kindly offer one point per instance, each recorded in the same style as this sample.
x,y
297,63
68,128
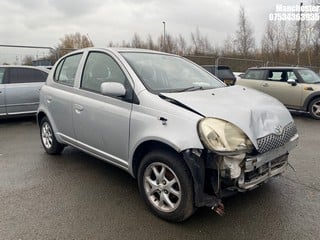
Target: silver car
x,y
19,89
187,138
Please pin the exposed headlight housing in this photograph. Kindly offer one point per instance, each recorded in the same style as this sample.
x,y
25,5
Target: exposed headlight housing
x,y
223,137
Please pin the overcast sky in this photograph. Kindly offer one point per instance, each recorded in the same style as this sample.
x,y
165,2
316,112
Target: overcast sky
x,y
44,22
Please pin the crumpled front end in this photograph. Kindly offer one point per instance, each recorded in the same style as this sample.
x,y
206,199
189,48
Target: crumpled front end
x,y
246,135
218,175
271,158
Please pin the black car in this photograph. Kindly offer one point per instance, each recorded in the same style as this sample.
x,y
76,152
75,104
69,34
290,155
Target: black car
x,y
223,72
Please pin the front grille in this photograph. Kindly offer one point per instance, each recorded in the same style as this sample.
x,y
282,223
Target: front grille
x,y
273,141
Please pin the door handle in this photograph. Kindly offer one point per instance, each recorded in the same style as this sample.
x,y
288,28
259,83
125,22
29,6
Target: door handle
x,y
78,108
265,85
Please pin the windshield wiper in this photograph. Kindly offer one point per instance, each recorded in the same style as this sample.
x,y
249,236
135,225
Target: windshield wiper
x,y
192,88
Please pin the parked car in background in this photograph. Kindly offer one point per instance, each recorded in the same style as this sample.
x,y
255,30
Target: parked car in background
x,y
296,87
19,89
186,137
224,73
238,75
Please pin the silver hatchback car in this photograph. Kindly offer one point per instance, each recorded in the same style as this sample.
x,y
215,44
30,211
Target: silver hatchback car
x,y
187,138
19,89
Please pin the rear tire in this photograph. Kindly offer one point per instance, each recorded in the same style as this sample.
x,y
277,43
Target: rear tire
x,y
48,140
166,186
314,108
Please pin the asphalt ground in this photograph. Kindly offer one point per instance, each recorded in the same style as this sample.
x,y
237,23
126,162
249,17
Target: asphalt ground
x,y
75,196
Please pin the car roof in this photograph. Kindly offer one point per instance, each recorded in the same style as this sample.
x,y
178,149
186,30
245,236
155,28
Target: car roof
x,y
26,66
276,68
118,50
219,66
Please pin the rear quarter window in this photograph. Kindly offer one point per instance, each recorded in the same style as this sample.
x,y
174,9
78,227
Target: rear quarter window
x,y
254,74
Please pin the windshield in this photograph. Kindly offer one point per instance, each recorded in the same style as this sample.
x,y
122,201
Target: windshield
x,y
309,76
167,73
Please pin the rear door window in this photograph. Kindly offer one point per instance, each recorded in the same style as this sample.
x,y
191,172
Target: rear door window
x,y
26,75
254,74
66,70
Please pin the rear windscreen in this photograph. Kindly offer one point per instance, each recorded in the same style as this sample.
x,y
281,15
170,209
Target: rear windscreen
x,y
225,73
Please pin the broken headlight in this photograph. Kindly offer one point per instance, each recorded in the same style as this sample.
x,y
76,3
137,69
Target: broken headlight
x,y
223,137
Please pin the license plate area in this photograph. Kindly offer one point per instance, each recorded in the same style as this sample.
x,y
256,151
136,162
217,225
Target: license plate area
x,y
267,168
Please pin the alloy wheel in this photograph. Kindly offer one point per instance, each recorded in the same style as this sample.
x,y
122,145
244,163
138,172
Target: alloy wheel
x,y
47,136
162,187
315,108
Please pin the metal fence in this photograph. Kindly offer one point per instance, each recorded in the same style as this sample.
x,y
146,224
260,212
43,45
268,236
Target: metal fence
x,y
41,55
240,64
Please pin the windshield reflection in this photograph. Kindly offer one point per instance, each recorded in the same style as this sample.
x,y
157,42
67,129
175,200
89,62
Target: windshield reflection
x,y
168,73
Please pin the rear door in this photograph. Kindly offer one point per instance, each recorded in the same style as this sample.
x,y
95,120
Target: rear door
x,y
253,78
59,97
2,93
22,90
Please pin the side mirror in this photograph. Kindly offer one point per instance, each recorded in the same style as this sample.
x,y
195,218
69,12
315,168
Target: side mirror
x,y
113,89
241,75
293,82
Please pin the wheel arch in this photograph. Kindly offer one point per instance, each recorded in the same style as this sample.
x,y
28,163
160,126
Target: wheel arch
x,y
310,98
40,116
144,148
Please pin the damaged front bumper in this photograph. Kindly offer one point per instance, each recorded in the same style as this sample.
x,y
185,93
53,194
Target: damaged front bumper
x,y
215,176
257,169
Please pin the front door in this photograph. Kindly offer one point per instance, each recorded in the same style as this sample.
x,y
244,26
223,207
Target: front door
x,y
101,123
276,85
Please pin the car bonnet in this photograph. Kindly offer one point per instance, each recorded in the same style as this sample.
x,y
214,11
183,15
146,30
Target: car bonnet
x,y
255,113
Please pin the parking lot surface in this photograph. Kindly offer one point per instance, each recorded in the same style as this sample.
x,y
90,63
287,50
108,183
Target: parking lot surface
x,y
75,196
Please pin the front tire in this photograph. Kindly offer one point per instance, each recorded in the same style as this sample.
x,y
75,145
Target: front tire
x,y
48,140
166,186
314,108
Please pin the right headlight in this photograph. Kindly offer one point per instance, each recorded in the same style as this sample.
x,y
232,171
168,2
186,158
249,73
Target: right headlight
x,y
223,137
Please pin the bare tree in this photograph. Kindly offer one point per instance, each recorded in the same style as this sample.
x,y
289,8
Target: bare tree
x,y
181,45
171,44
137,42
150,43
316,38
229,47
306,44
244,36
27,60
271,42
73,41
201,44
